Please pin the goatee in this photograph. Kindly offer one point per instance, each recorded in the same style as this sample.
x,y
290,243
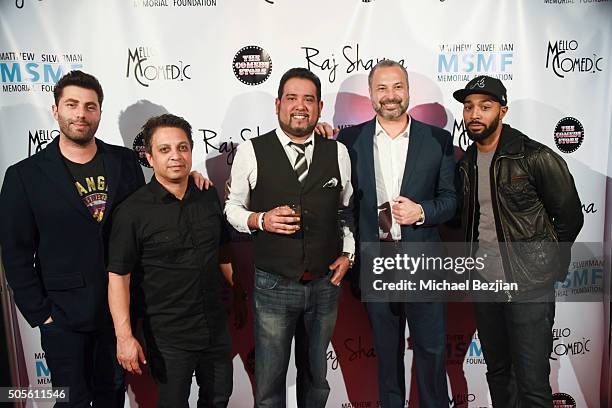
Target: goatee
x,y
485,134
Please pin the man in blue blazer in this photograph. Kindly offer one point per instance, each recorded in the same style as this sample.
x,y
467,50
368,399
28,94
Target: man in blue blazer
x,y
54,226
403,181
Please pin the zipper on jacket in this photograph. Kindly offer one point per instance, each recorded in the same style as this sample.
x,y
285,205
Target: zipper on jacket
x,y
501,225
472,203
474,198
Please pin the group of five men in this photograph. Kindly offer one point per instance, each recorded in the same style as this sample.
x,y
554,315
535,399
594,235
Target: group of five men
x,y
77,219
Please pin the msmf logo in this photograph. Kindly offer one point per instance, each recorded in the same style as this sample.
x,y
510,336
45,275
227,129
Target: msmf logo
x,y
563,57
474,353
584,277
460,62
43,374
28,71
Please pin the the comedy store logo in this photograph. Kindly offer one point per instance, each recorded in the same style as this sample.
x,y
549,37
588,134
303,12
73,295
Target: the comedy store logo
x,y
146,66
569,134
563,57
252,65
563,400
139,147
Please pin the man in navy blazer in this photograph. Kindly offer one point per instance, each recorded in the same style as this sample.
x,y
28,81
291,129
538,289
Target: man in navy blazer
x,y
54,226
403,181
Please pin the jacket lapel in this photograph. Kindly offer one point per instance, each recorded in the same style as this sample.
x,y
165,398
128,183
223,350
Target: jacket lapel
x,y
415,142
55,169
112,170
365,146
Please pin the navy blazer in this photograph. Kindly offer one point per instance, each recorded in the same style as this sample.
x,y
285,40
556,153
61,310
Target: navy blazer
x,y
54,252
428,179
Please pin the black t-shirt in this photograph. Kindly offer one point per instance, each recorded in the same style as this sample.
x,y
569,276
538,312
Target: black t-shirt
x,y
90,182
174,244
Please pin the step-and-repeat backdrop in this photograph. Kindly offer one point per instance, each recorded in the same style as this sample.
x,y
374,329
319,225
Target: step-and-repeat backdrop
x,y
218,63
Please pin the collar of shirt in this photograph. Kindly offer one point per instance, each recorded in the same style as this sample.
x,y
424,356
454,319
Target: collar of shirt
x,y
164,195
285,140
380,131
389,164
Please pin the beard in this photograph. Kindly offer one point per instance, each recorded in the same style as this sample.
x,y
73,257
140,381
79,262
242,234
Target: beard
x,y
297,131
79,137
485,133
395,113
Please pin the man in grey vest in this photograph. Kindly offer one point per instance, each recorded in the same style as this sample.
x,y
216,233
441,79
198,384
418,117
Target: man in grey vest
x,y
292,190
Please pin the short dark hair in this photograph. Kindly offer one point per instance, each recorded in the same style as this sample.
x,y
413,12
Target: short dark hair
x,y
80,79
165,120
386,63
299,73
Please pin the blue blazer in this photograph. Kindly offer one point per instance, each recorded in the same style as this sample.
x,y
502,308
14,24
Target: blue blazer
x,y
53,251
428,179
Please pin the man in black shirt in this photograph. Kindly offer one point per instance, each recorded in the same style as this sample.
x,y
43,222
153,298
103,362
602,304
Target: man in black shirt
x,y
169,233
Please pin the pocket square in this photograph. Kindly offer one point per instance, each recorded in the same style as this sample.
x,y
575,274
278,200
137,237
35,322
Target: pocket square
x,y
333,182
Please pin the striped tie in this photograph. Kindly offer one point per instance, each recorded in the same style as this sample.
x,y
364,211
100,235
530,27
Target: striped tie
x,y
301,165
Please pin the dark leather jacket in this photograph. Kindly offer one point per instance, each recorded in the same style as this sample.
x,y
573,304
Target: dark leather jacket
x,y
534,201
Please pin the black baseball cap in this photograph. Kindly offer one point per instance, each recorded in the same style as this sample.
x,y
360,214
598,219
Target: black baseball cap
x,y
483,85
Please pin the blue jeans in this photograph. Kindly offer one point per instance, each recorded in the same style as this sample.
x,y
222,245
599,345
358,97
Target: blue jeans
x,y
280,303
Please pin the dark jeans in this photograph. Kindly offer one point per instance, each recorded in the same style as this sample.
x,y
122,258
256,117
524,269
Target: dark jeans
x,y
86,362
279,305
516,340
173,368
427,324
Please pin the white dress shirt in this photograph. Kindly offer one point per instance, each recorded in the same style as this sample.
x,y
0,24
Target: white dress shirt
x,y
389,164
243,179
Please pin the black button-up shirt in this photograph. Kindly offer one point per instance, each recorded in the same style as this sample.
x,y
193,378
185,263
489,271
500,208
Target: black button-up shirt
x,y
172,248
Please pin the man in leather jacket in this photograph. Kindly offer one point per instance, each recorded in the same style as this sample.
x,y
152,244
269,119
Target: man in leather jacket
x,y
520,207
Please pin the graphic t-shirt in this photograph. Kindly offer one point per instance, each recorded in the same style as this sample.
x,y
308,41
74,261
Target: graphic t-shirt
x,y
90,182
